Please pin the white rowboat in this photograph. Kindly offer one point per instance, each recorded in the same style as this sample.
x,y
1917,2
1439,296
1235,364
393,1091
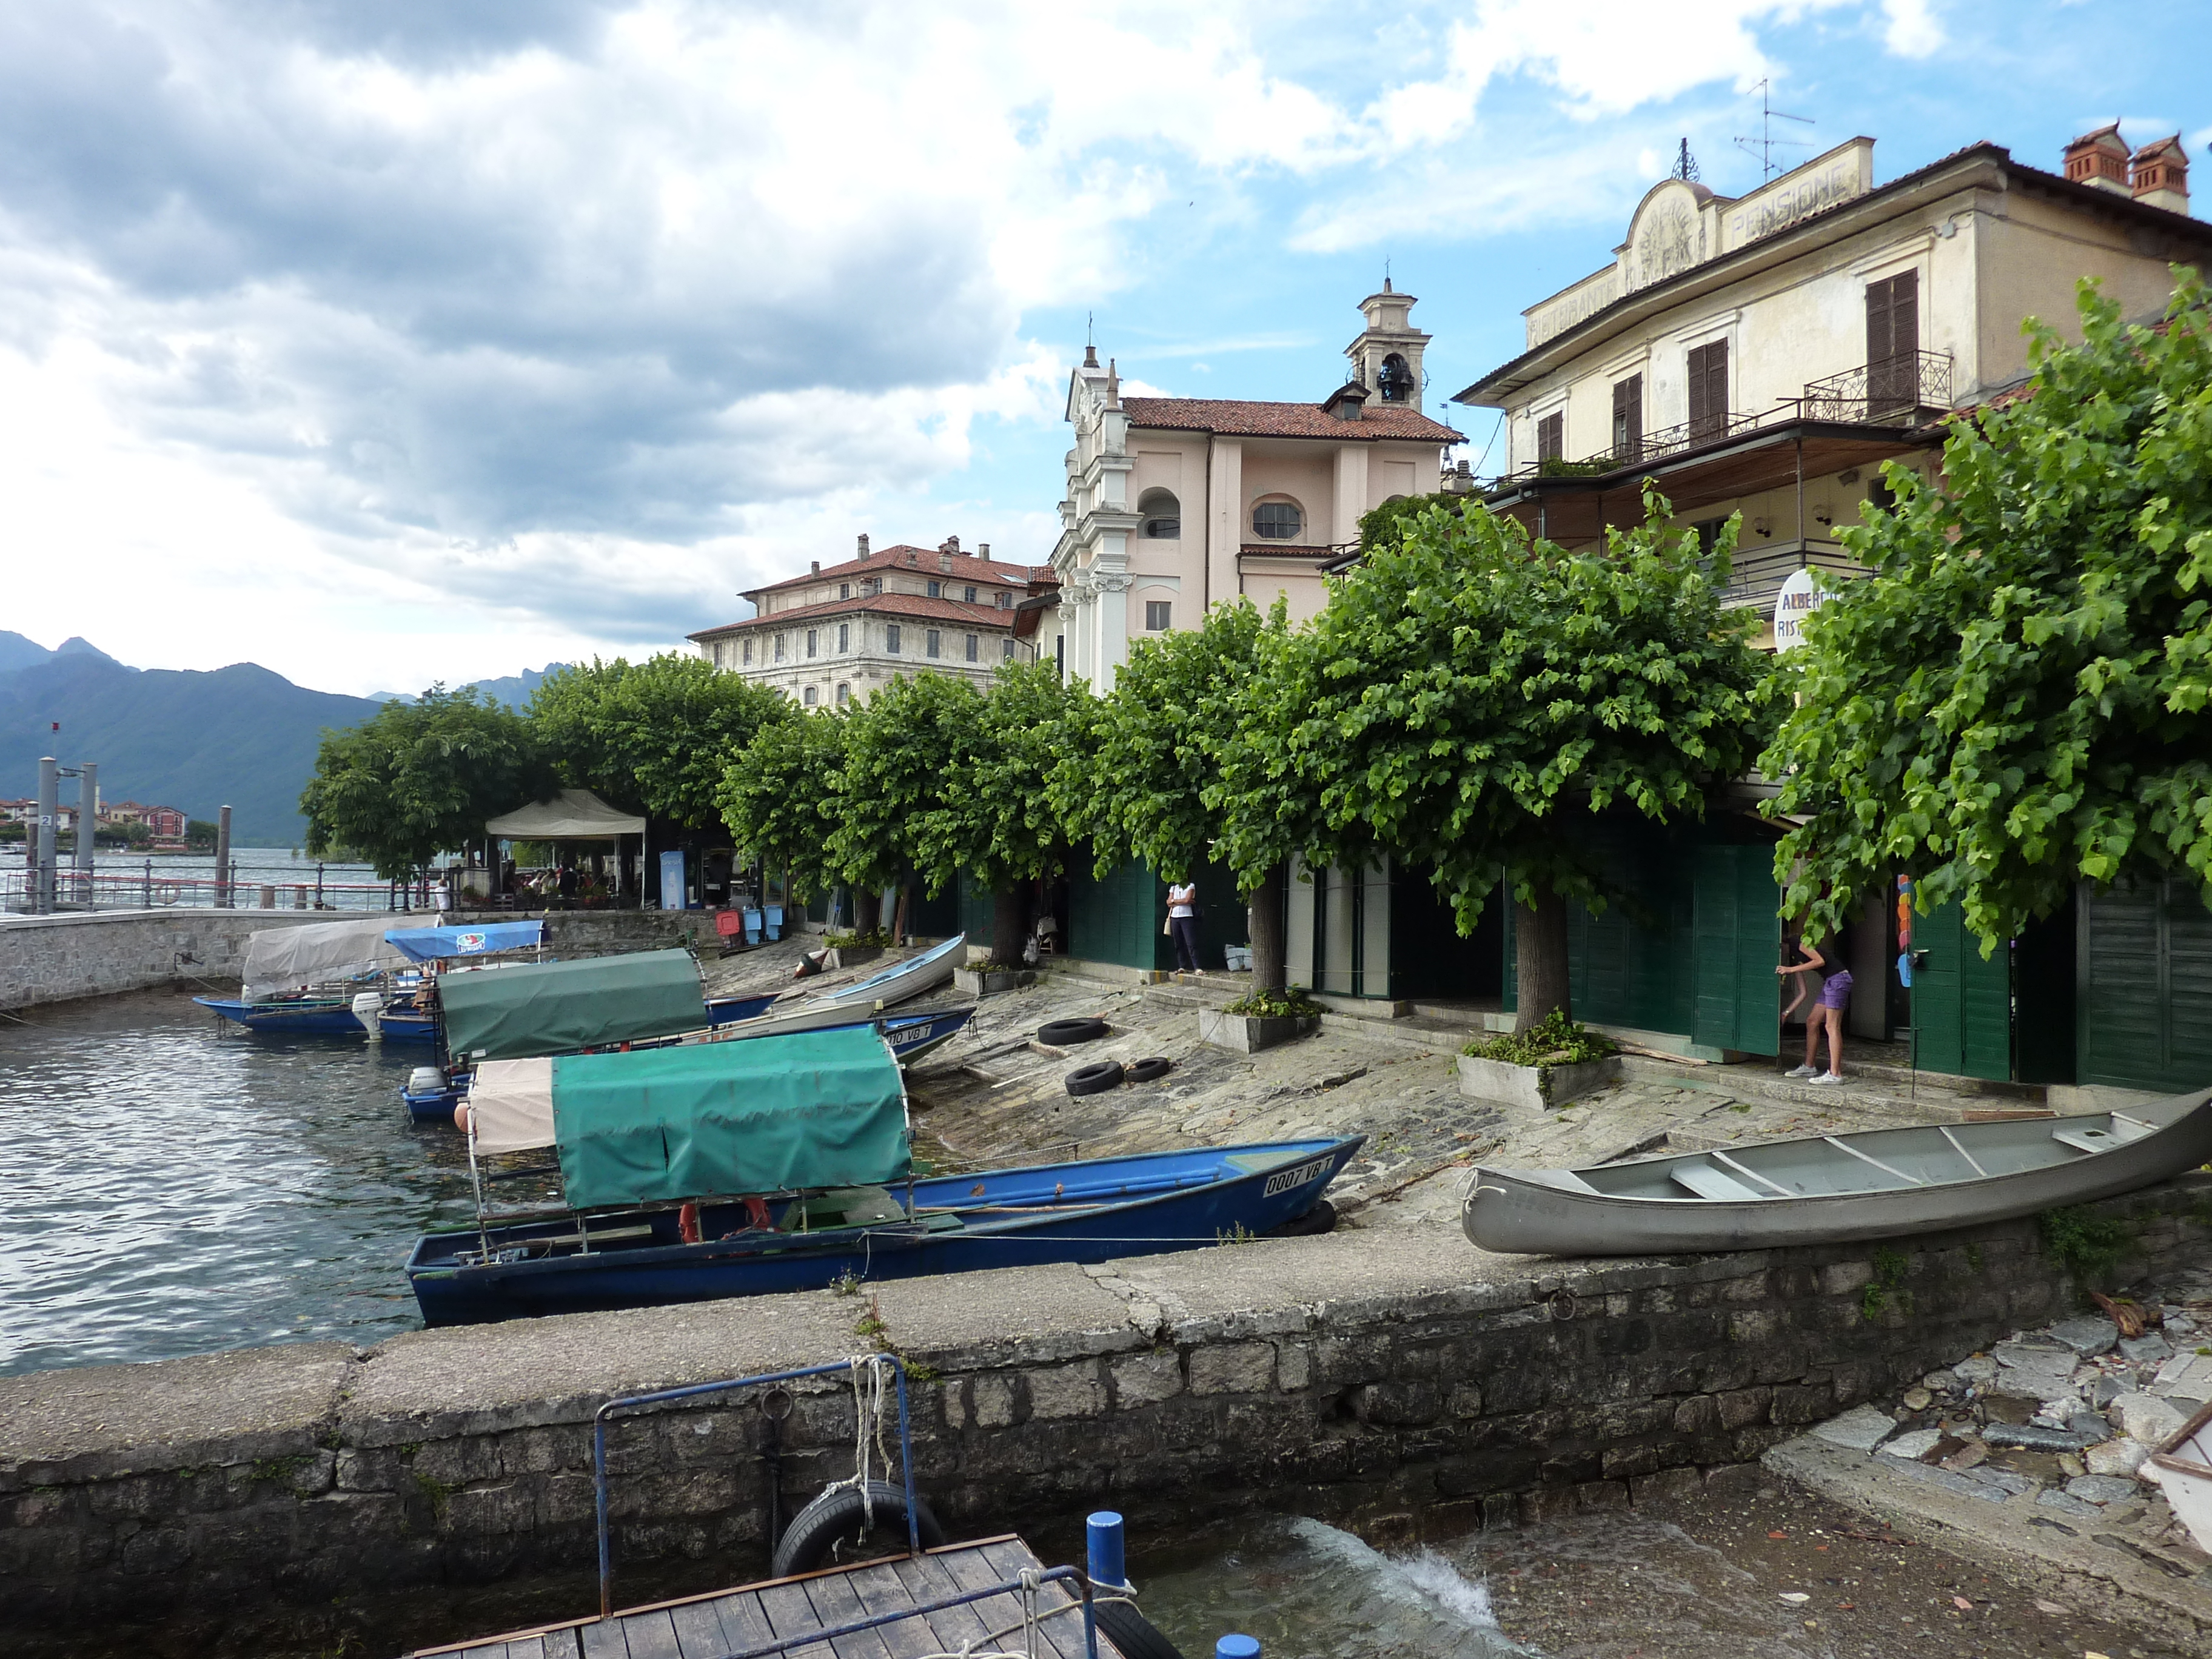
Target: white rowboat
x,y
1822,1189
2183,1465
900,982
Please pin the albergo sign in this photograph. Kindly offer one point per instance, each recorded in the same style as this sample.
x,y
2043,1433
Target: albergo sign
x,y
1797,600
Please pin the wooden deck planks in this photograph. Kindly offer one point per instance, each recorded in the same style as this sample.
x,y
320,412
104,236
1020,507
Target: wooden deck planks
x,y
699,1632
837,1602
1064,1631
651,1635
790,1613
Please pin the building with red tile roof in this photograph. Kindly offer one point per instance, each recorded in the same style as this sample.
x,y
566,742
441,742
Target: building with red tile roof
x,y
1174,505
840,632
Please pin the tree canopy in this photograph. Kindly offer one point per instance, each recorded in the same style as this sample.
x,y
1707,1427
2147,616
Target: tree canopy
x,y
419,779
1468,692
899,753
653,736
779,796
2015,700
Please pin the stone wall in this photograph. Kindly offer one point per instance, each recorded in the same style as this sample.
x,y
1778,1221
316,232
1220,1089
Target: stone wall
x,y
290,1498
97,953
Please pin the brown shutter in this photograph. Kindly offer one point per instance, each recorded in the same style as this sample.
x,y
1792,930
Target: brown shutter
x,y
1892,308
1551,438
1628,418
1709,392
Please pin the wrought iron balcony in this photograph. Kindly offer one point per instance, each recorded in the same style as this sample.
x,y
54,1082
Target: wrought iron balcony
x,y
1895,391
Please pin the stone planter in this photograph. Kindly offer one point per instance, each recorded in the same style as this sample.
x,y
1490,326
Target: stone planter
x,y
1248,1036
1537,1087
852,956
976,982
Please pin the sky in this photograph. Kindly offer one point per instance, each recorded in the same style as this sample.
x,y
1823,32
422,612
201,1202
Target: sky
x,y
427,340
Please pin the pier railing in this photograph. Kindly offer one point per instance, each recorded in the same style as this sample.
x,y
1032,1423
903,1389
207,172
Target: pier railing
x,y
151,888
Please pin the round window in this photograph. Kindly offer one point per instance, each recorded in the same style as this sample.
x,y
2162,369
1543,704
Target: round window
x,y
1276,521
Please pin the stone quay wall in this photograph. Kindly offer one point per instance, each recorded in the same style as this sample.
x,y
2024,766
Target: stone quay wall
x,y
93,953
439,1486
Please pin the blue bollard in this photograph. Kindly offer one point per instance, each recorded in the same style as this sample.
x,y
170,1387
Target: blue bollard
x,y
1236,1647
1102,1532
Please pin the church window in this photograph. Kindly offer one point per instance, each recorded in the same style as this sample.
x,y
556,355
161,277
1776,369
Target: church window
x,y
813,640
892,639
1277,521
747,648
931,643
844,694
1161,513
779,647
1394,380
844,637
808,698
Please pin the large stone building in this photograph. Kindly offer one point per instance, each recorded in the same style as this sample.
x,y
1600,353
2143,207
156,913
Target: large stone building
x,y
1177,504
1765,354
836,635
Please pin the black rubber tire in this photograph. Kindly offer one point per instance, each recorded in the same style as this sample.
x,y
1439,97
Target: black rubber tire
x,y
1150,1069
813,1533
1136,1636
1321,1218
1059,1033
1096,1078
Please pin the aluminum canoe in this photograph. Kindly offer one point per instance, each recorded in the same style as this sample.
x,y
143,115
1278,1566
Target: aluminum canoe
x,y
900,982
1826,1189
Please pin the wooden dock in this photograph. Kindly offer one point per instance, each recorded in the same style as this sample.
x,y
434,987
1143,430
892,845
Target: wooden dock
x,y
725,1622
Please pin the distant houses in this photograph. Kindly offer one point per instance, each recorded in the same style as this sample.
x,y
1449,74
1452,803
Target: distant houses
x,y
162,823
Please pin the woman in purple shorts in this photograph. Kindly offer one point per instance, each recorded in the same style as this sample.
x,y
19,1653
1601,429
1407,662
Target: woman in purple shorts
x,y
1827,1012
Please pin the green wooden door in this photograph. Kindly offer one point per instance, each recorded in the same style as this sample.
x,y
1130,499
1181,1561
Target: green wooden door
x,y
1737,945
2143,1002
1116,919
1961,1000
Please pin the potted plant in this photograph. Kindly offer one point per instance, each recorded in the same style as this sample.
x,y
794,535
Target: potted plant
x,y
988,977
1552,1062
1259,1021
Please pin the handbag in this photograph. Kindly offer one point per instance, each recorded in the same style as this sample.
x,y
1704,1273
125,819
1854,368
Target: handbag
x,y
1167,926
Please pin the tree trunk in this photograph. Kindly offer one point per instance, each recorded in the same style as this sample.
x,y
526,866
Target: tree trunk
x,y
867,910
1265,920
1009,922
898,919
1540,959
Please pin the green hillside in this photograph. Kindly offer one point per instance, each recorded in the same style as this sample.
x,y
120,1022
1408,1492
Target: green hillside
x,y
240,735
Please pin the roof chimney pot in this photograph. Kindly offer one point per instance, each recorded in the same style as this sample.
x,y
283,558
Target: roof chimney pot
x,y
817,566
864,544
982,549
2100,160
2158,175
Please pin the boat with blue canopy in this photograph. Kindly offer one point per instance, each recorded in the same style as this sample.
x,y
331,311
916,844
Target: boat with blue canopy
x,y
708,1170
312,978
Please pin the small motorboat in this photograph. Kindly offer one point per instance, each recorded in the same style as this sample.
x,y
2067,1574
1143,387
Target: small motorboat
x,y
297,1016
302,979
706,1171
430,1094
1823,1190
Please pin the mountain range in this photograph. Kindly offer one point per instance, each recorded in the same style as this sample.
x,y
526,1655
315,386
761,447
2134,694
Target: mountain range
x,y
242,736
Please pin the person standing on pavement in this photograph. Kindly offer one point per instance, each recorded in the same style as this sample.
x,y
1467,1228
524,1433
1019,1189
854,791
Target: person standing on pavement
x,y
1827,1014
1182,923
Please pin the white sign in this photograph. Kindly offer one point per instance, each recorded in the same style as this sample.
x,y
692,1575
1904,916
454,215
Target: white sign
x,y
1797,600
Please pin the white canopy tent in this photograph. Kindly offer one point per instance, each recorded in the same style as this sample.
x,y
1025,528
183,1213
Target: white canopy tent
x,y
571,815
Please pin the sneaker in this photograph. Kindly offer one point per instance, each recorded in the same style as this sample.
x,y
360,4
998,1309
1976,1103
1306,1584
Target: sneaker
x,y
1802,1071
1829,1077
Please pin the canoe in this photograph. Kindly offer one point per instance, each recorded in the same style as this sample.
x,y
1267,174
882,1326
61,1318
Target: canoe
x,y
1091,1210
910,1036
1823,1190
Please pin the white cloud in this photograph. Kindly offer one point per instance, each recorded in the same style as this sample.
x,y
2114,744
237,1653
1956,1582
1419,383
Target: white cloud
x,y
1912,30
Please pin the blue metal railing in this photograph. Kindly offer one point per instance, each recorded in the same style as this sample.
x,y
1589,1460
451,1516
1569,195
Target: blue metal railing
x,y
906,1455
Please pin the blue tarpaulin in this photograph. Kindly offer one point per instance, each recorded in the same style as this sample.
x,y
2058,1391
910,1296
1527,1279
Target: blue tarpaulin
x,y
442,943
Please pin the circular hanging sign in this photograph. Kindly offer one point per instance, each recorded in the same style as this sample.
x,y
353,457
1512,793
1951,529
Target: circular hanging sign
x,y
1798,599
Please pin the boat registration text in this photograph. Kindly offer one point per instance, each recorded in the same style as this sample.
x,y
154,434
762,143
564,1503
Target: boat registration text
x,y
1282,1180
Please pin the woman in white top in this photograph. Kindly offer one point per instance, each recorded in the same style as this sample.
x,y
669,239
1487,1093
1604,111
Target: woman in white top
x,y
1182,923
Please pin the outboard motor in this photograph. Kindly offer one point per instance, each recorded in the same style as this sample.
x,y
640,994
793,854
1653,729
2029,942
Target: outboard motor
x,y
369,1009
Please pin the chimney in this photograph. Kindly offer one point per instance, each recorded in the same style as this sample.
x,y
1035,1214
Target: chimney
x,y
2158,175
2100,160
914,558
982,549
864,544
952,545
817,565
944,562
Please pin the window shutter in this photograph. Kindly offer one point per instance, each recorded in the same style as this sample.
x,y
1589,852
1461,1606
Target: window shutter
x,y
1709,391
1893,326
1551,438
1628,416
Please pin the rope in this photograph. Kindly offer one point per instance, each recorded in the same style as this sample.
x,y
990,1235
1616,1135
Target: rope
x,y
868,1398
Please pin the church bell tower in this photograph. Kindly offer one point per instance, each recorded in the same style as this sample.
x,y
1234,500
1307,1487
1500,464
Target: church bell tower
x,y
1386,358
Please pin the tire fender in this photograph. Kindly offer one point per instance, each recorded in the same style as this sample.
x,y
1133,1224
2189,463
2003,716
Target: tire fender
x,y
814,1531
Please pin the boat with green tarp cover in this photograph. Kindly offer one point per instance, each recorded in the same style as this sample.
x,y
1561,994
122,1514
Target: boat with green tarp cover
x,y
557,1007
782,1163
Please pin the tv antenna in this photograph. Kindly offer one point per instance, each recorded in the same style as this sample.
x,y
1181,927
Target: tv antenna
x,y
1763,146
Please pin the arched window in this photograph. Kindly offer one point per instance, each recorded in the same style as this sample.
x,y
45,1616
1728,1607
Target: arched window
x,y
1394,380
844,693
1161,513
1277,520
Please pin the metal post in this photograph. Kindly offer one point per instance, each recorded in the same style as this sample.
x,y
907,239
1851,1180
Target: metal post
x,y
88,821
146,897
223,860
50,808
318,884
1103,1536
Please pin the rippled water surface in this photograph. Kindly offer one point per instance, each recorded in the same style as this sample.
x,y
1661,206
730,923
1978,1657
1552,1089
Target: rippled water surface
x,y
167,1189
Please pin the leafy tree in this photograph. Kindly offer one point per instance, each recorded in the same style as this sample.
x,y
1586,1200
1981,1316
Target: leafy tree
x,y
899,753
653,736
1143,776
415,780
2015,700
992,818
1470,692
779,796
202,832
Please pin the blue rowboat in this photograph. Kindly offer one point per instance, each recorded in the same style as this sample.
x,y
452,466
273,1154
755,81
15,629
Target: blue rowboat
x,y
910,1036
293,1016
1092,1211
727,1011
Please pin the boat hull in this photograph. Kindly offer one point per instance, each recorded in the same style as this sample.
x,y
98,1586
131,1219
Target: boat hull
x,y
1180,1200
1536,1212
309,1018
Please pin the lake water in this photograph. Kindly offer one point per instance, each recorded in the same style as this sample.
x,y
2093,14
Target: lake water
x,y
170,1189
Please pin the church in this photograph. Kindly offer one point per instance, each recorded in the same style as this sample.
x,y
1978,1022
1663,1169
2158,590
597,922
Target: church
x,y
1174,505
